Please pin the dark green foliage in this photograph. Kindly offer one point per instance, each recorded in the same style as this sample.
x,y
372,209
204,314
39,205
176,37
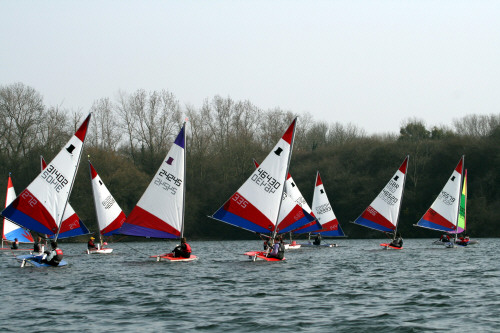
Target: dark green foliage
x,y
222,139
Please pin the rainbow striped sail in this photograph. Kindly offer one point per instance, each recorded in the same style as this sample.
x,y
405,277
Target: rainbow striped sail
x,y
110,216
256,204
383,212
324,213
41,206
10,230
462,214
71,225
160,211
295,212
443,213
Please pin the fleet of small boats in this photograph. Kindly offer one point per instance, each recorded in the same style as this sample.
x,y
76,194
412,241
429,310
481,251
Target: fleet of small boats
x,y
268,204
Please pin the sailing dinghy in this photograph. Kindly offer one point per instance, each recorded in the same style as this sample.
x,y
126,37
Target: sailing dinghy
x,y
383,212
110,216
11,231
41,206
323,211
160,211
256,205
294,212
443,215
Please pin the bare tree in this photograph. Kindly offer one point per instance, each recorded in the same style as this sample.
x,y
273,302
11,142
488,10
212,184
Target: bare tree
x,y
105,132
21,113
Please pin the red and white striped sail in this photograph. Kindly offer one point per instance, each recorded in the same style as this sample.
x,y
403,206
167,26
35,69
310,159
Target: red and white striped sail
x,y
443,213
110,216
40,207
256,204
383,212
10,230
324,212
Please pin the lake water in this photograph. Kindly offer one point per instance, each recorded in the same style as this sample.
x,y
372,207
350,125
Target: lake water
x,y
355,287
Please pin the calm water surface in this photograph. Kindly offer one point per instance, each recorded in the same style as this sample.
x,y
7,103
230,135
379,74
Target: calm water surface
x,y
355,287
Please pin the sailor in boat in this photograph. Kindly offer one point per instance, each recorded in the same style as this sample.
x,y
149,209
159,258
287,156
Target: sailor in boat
x,y
463,240
445,238
183,250
37,246
398,241
54,257
15,244
91,245
317,240
278,250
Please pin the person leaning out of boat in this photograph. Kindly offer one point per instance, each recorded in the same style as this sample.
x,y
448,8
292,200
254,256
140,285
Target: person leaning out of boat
x,y
54,256
15,244
398,241
91,245
278,250
183,250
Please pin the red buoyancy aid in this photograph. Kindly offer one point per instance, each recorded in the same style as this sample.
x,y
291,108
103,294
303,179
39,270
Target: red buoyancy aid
x,y
59,255
188,248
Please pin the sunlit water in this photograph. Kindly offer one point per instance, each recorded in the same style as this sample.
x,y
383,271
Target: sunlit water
x,y
356,287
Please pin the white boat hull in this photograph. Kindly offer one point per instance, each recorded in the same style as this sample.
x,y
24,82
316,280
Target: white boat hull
x,y
100,251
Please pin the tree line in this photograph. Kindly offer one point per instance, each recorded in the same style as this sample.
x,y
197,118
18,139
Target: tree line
x,y
128,138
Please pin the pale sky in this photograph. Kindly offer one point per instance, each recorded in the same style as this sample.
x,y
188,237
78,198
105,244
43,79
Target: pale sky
x,y
370,63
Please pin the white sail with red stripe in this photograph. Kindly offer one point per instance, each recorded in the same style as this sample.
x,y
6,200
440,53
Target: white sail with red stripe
x,y
110,216
324,212
443,213
41,206
160,211
256,204
11,231
383,212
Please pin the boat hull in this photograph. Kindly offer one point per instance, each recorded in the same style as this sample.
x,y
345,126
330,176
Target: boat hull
x,y
389,246
100,251
170,257
31,259
292,247
260,255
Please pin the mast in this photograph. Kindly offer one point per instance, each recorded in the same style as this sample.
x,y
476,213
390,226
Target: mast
x,y
273,235
184,182
402,195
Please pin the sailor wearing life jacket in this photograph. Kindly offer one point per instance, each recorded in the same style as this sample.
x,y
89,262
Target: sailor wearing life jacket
x,y
55,256
183,250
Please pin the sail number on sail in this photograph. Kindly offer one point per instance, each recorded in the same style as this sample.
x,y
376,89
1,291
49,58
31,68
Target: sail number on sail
x,y
108,202
264,179
446,198
171,184
240,200
54,177
323,208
